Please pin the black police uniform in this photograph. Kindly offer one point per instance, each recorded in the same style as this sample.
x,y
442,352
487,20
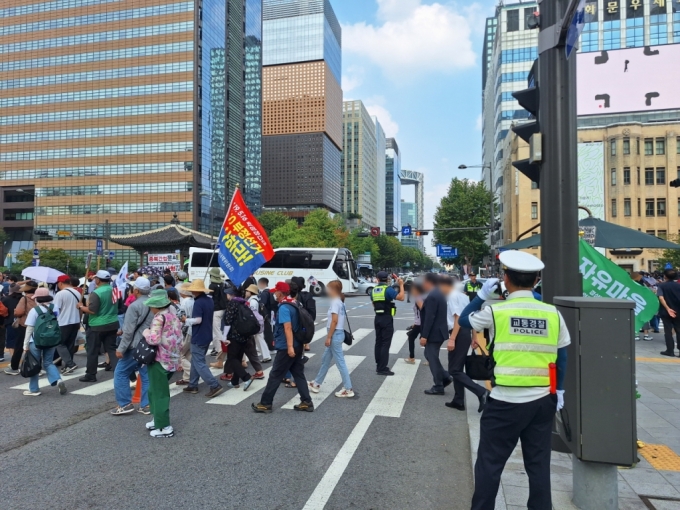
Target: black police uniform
x,y
385,309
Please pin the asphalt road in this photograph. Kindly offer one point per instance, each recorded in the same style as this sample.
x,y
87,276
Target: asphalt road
x,y
391,447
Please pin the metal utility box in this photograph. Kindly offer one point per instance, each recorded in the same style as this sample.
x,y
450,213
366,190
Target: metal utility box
x,y
599,422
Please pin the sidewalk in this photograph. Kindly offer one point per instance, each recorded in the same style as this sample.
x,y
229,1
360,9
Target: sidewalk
x,y
644,487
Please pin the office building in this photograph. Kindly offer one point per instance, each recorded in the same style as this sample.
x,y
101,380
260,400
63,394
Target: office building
x,y
392,186
416,217
409,215
107,114
359,173
381,147
302,107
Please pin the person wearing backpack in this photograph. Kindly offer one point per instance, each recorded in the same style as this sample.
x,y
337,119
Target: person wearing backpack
x,y
67,301
270,307
260,312
305,298
23,308
240,324
291,332
42,337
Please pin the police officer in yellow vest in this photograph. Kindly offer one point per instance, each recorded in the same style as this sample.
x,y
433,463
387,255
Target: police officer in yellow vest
x,y
383,298
472,286
526,336
103,323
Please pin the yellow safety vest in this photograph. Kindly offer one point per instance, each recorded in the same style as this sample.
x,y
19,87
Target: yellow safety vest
x,y
525,342
380,303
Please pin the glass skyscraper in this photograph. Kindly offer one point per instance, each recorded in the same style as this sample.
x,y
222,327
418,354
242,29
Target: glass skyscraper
x,y
302,106
118,114
392,186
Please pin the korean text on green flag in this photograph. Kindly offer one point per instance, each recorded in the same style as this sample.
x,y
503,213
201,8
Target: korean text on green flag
x,y
602,278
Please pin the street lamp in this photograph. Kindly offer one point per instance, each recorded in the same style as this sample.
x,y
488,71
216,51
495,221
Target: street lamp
x,y
491,206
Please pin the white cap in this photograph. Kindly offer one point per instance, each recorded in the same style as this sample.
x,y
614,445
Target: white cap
x,y
103,275
521,262
142,283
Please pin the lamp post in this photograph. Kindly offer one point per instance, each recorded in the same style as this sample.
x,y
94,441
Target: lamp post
x,y
491,205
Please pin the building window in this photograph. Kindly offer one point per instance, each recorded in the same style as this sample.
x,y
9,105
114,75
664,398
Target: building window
x,y
663,234
528,11
626,207
678,206
513,20
534,185
661,176
658,29
639,207
612,146
534,210
661,207
637,146
649,207
612,35
638,176
635,32
626,146
649,146
649,177
660,146
613,176
677,142
613,208
650,232
626,176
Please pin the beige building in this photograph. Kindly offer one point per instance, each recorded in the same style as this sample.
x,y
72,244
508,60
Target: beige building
x,y
639,162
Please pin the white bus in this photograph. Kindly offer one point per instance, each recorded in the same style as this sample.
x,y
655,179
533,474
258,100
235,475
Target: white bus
x,y
319,266
199,263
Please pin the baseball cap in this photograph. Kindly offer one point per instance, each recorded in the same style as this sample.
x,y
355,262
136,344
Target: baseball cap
x,y
142,283
103,275
281,287
64,279
382,275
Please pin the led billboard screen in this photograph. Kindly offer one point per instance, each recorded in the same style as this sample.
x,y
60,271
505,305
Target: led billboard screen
x,y
629,80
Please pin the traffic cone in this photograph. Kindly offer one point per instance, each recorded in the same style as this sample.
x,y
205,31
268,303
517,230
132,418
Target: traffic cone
x,y
137,397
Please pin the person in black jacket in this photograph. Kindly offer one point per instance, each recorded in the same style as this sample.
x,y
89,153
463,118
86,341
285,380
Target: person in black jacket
x,y
270,305
434,332
11,301
306,299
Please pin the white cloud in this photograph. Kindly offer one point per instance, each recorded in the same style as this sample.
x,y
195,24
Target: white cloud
x,y
389,125
414,39
478,123
351,79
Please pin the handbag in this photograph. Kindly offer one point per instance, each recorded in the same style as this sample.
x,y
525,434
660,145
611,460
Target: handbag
x,y
15,323
349,337
29,365
145,354
479,366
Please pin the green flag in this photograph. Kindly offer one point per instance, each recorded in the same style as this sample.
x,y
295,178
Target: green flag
x,y
602,278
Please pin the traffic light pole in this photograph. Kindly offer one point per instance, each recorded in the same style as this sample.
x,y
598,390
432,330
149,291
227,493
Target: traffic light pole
x,y
559,174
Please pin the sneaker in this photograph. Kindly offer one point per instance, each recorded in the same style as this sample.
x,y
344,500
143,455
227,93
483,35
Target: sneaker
x,y
119,411
668,353
304,406
637,338
647,338
107,367
343,393
88,378
150,425
213,353
410,361
190,389
164,432
42,373
232,386
30,393
247,384
2,358
226,377
258,375
102,364
9,371
62,387
268,360
70,370
385,372
261,408
214,391
133,385
314,387
146,410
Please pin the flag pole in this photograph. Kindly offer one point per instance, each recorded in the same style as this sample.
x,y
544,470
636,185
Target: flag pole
x,y
212,255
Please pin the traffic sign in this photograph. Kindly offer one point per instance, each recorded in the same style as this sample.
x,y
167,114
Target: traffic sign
x,y
406,231
36,253
575,27
375,231
112,254
446,252
100,247
35,262
668,265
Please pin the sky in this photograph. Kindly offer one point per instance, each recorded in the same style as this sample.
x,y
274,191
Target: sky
x,y
416,65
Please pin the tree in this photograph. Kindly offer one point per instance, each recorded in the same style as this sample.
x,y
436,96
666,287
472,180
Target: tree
x,y
319,230
465,205
270,221
672,256
390,253
56,258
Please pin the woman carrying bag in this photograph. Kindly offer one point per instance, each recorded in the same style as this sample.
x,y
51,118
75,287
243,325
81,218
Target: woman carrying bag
x,y
165,336
334,340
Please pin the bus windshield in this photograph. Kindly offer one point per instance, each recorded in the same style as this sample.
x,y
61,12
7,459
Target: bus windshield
x,y
316,259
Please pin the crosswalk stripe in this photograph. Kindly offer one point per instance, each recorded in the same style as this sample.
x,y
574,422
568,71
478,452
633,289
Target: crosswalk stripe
x,y
359,335
237,395
176,390
391,397
398,341
95,389
78,373
321,333
333,380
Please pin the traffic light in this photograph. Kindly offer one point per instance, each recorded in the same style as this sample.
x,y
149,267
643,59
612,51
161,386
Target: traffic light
x,y
392,234
420,233
530,131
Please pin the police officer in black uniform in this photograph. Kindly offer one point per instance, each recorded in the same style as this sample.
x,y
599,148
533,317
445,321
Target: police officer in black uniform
x,y
383,298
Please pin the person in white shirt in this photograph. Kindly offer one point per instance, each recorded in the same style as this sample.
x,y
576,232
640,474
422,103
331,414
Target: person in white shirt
x,y
252,295
67,301
186,310
46,355
458,346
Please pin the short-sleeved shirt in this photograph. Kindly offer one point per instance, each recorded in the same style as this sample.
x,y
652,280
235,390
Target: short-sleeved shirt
x,y
33,315
391,293
455,304
285,313
337,307
67,302
670,291
202,334
482,320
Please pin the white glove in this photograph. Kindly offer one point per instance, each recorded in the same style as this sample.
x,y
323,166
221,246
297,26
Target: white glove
x,y
488,289
560,399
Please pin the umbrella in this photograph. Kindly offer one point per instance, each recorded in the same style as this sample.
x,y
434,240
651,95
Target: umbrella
x,y
607,235
42,274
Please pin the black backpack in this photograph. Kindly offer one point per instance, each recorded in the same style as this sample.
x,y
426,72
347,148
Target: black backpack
x,y
219,298
247,324
306,327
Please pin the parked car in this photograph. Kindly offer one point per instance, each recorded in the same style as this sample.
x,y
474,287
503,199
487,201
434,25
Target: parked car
x,y
365,287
